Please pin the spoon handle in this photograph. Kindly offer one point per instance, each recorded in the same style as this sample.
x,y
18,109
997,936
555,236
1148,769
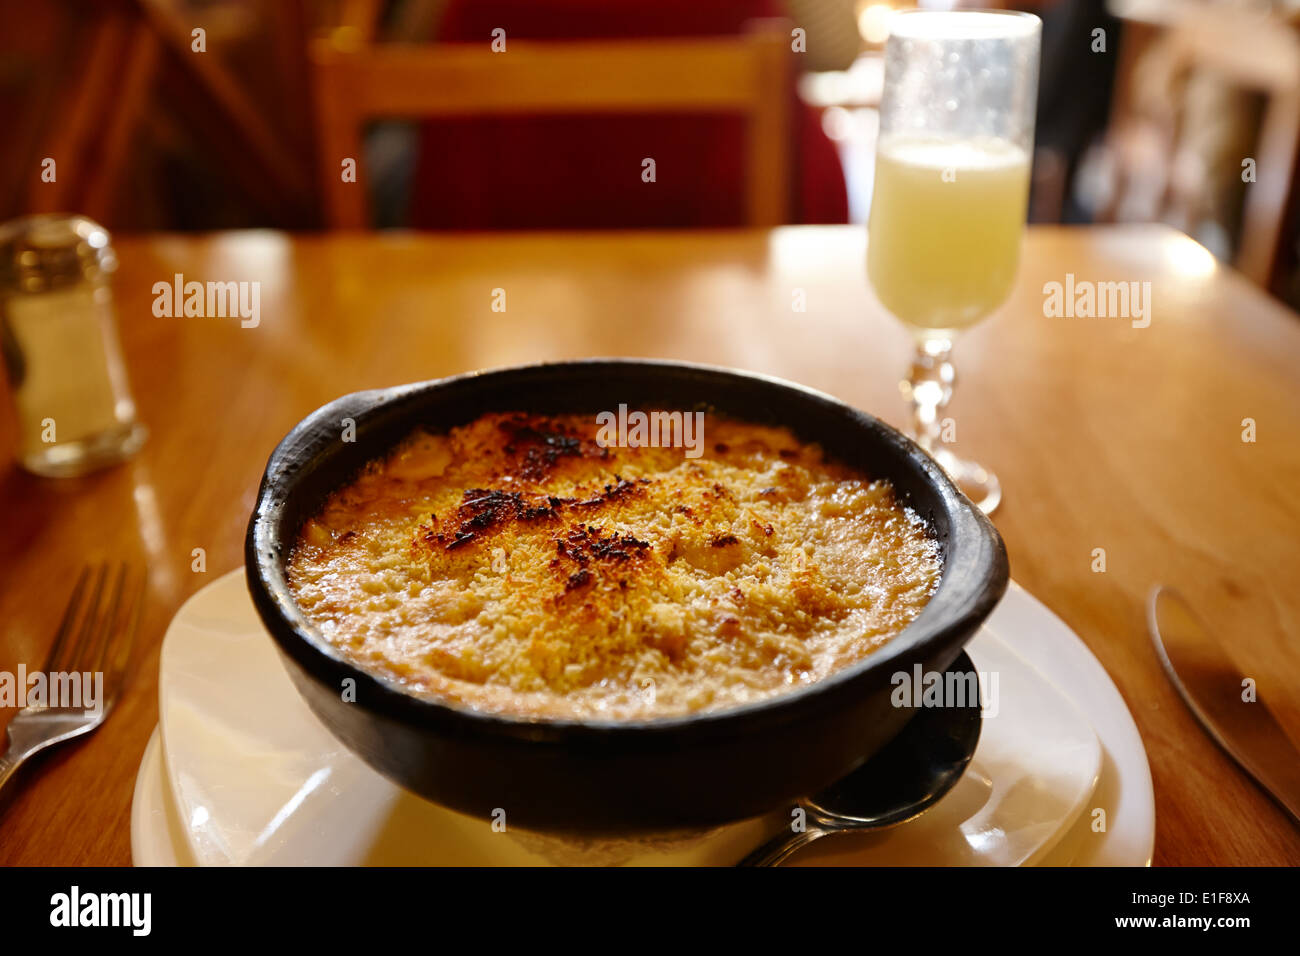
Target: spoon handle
x,y
776,850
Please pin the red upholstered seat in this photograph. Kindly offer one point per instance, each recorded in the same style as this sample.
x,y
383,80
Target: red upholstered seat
x,y
529,172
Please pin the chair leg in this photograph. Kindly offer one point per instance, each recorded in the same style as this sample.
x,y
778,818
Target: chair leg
x,y
134,88
86,103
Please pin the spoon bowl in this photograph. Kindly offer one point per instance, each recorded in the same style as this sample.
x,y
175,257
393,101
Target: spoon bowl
x,y
899,783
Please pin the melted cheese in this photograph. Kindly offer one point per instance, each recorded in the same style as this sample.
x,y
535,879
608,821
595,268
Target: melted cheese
x,y
516,566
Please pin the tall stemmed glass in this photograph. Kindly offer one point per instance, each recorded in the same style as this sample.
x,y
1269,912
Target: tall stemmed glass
x,y
951,188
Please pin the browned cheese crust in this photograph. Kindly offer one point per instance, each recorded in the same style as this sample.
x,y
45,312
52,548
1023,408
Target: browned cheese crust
x,y
516,566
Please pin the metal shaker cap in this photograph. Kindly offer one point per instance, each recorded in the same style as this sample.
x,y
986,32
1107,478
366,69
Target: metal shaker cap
x,y
53,251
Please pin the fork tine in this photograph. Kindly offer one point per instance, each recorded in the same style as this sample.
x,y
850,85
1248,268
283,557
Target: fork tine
x,y
121,661
66,626
96,652
89,623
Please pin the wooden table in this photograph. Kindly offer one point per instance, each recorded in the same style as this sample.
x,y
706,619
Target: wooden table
x,y
1104,435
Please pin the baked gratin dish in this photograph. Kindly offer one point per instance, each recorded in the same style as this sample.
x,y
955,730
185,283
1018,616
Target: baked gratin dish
x,y
521,565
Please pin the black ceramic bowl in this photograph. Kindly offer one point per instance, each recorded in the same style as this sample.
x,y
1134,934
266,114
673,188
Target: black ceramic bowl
x,y
615,776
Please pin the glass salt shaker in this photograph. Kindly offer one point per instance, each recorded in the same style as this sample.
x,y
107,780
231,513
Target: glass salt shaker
x,y
60,343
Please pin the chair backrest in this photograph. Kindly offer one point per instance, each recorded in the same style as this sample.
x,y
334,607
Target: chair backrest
x,y
744,74
1256,54
1260,54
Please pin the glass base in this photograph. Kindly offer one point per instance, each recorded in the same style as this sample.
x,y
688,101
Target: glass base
x,y
73,458
975,481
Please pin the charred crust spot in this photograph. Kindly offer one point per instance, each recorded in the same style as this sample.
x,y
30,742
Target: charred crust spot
x,y
596,553
486,510
536,444
723,540
789,454
618,490
485,507
720,491
585,543
721,448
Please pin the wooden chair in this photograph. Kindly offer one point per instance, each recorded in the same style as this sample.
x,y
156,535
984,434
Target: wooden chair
x,y
745,74
1256,53
1261,55
130,50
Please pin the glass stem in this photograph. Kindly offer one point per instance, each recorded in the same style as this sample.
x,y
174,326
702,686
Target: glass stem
x,y
928,387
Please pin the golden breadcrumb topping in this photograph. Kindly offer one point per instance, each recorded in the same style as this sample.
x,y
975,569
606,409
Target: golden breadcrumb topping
x,y
515,565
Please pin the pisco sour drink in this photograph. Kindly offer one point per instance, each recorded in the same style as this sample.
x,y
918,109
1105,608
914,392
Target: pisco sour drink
x,y
947,217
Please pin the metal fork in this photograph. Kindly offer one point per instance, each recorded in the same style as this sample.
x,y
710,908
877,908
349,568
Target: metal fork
x,y
95,637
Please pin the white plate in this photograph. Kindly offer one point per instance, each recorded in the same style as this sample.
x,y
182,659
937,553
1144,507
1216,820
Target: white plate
x,y
156,835
245,774
1035,767
1120,827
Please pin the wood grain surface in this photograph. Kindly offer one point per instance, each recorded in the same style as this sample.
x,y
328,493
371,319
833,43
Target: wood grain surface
x,y
1104,436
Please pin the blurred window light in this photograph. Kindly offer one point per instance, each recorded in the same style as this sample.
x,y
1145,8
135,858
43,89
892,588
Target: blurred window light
x,y
860,85
837,123
1189,259
873,21
824,89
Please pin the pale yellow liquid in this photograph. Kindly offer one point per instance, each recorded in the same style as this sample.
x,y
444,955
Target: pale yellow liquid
x,y
946,222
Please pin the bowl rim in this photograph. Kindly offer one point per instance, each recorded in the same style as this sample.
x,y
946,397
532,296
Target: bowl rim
x,y
962,599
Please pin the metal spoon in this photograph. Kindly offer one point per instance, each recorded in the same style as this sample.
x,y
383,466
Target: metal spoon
x,y
899,783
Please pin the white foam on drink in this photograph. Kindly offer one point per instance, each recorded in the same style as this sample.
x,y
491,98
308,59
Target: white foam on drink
x,y
979,153
962,24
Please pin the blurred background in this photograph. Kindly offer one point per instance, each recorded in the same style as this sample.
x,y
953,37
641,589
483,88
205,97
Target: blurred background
x,y
181,115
